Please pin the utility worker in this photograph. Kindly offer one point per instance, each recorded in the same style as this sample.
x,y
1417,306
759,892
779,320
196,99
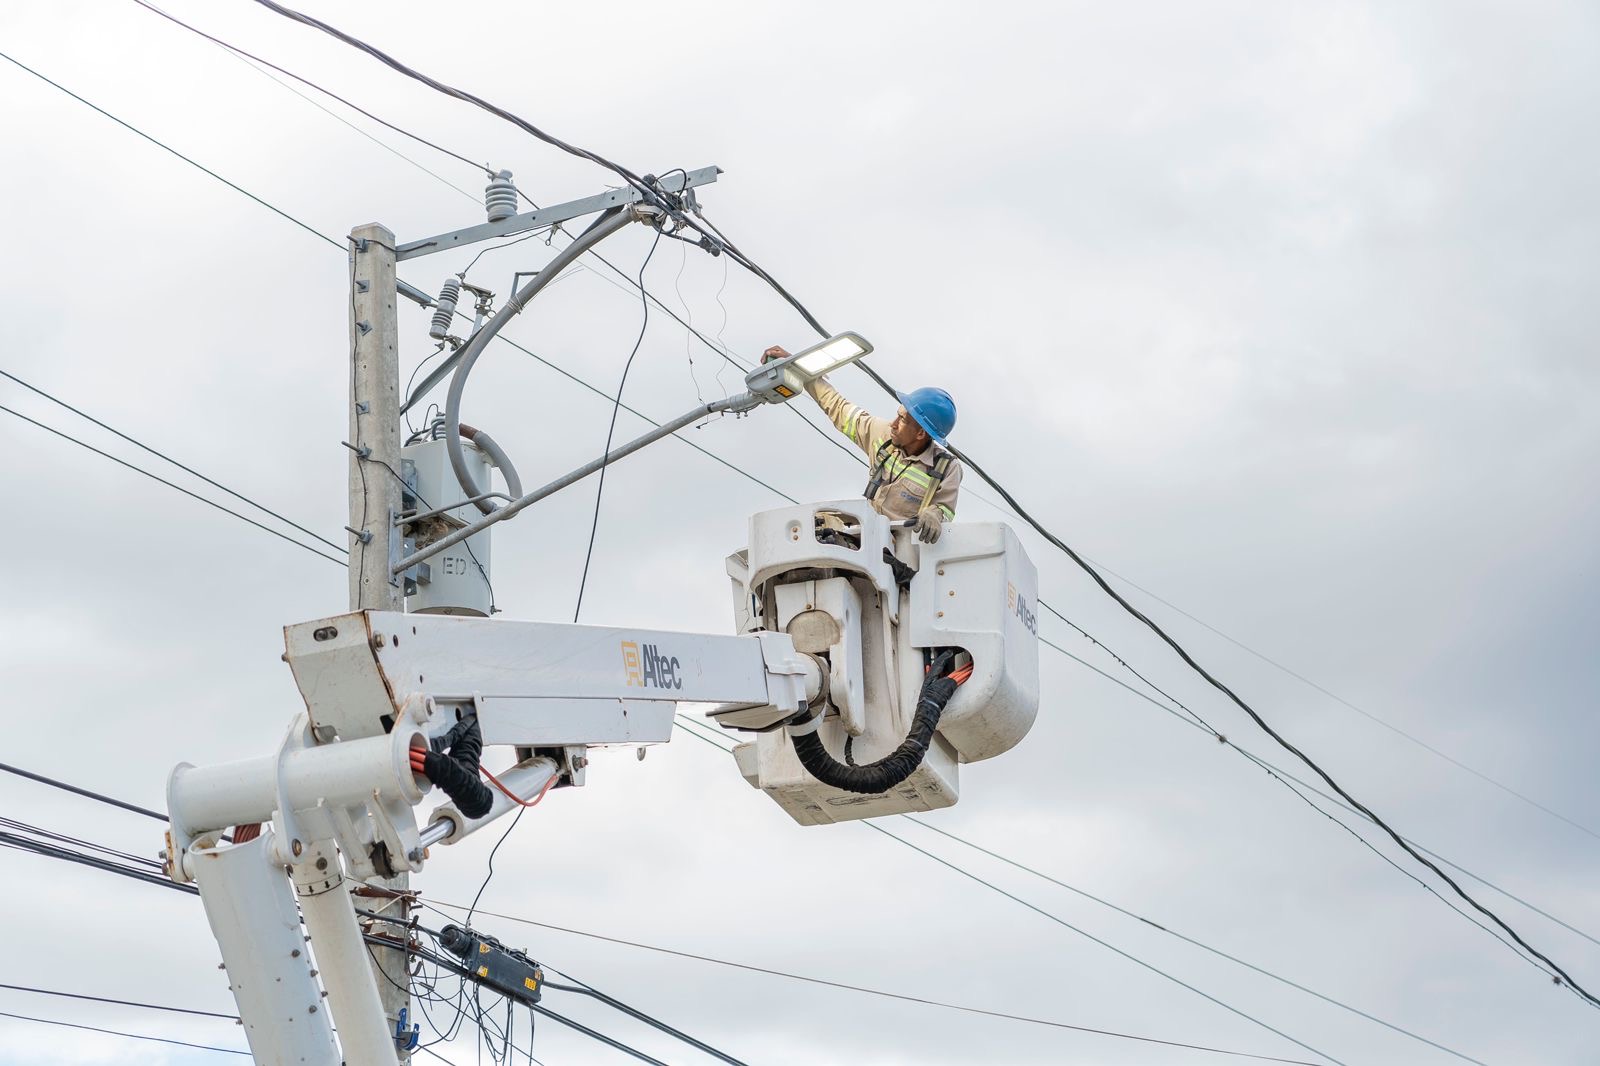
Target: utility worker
x,y
913,477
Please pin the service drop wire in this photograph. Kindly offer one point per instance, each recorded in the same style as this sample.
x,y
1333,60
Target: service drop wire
x,y
616,406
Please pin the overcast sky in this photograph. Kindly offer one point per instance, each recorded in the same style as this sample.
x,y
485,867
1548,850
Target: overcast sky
x,y
1284,312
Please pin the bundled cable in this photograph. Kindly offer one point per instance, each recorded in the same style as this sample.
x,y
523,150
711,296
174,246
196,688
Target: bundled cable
x,y
452,764
889,771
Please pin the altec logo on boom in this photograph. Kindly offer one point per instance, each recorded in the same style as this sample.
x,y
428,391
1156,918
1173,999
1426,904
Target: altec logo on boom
x,y
647,668
1017,604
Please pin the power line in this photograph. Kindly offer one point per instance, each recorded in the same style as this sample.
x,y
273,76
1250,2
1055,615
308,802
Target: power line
x,y
583,989
1205,674
453,967
118,1032
1187,939
121,1002
599,492
181,466
1303,679
1271,772
866,990
53,851
7,839
383,57
1265,765
1103,943
501,337
174,151
868,823
173,485
84,792
240,52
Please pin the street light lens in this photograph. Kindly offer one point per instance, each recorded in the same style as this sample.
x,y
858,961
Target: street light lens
x,y
829,355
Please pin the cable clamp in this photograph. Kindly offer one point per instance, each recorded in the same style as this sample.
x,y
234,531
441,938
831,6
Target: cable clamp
x,y
406,1039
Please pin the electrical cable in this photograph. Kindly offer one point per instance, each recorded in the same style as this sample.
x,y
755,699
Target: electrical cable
x,y
118,1032
394,64
1303,679
52,851
172,485
600,488
84,792
181,466
867,990
452,966
486,877
1264,764
1196,722
166,883
1554,968
595,1034
1128,914
1187,939
174,151
121,1002
66,840
1103,943
189,889
242,54
582,989
1276,774
512,796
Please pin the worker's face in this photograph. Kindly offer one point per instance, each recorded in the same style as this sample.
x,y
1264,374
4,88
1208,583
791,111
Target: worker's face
x,y
906,434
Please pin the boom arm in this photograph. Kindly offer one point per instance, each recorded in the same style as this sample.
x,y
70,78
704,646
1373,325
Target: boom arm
x,y
378,686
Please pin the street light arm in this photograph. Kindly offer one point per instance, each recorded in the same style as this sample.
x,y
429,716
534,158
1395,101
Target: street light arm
x,y
743,402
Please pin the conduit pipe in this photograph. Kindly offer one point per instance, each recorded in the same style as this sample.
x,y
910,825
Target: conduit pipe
x,y
604,226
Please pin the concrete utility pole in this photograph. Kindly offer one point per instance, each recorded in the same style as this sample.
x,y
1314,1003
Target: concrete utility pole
x,y
374,501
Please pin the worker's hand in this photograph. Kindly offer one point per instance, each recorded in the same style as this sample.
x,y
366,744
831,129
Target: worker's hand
x,y
929,524
772,353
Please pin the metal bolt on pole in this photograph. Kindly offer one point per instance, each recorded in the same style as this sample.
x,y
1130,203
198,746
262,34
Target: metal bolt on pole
x,y
374,501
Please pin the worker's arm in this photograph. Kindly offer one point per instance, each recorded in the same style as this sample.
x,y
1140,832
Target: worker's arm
x,y
854,421
863,429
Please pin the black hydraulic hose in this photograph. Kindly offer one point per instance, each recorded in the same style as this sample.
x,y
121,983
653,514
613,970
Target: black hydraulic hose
x,y
456,772
899,764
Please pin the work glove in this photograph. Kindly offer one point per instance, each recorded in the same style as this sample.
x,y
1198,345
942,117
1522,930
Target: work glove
x,y
930,523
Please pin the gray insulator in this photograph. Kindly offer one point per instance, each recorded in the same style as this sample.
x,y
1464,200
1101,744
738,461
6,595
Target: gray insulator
x,y
500,198
448,296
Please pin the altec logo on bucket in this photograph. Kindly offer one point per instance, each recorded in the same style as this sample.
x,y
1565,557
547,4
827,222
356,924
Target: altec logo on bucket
x,y
1017,604
647,668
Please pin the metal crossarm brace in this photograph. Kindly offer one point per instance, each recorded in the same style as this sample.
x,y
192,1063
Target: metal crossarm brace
x,y
545,216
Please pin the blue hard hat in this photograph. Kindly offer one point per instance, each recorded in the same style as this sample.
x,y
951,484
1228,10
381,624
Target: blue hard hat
x,y
932,409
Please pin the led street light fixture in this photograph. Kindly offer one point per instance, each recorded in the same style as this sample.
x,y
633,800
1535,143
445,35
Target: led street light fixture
x,y
781,381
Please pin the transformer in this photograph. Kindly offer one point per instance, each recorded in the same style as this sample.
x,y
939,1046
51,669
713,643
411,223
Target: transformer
x,y
456,581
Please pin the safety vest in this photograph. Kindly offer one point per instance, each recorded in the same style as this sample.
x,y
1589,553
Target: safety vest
x,y
883,470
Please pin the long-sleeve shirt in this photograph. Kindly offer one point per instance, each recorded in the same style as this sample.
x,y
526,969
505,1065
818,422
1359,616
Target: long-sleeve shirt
x,y
905,477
